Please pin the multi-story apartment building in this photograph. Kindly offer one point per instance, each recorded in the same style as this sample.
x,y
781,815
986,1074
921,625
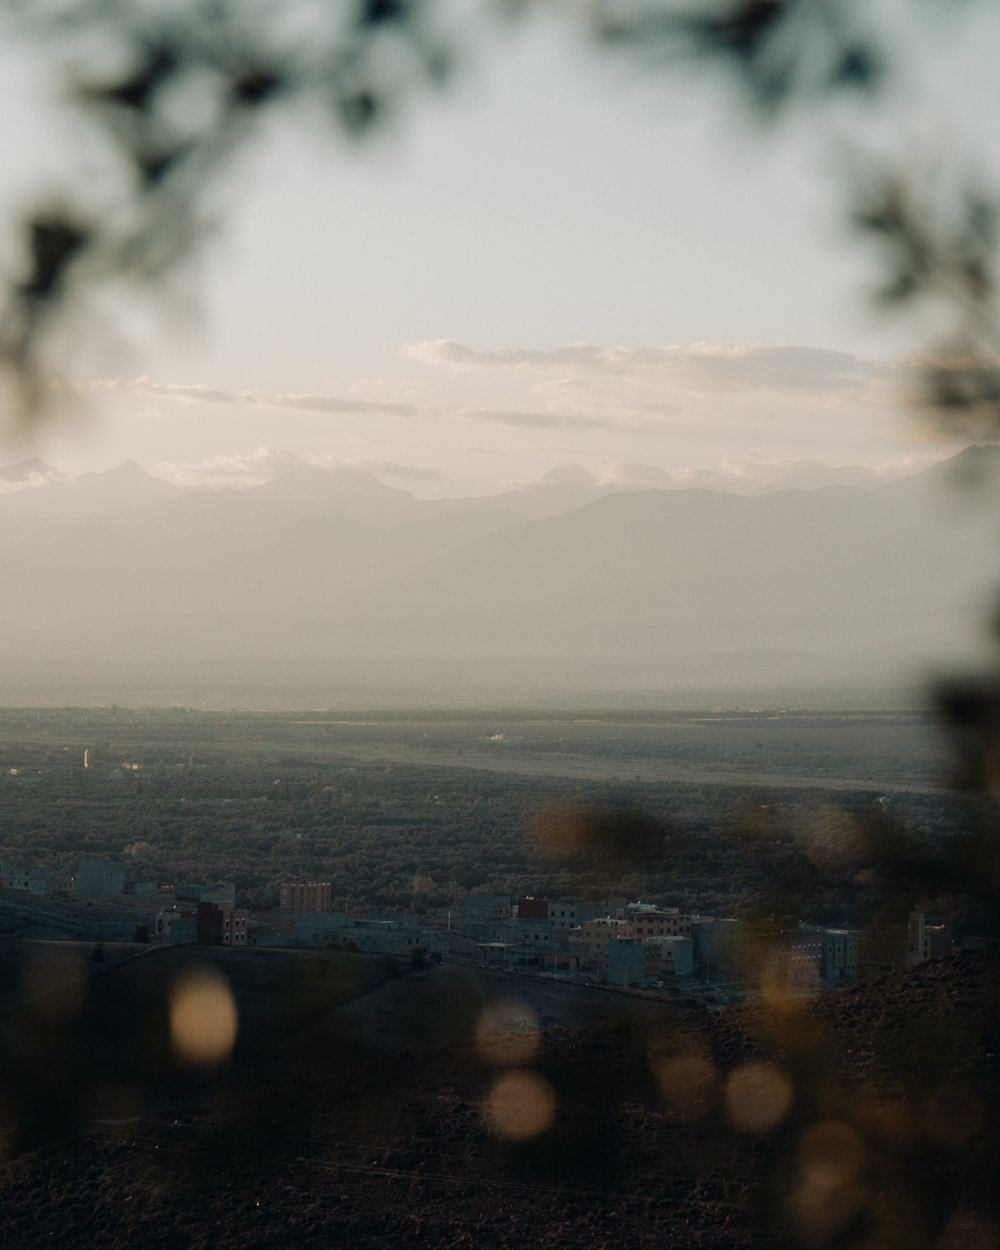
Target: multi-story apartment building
x,y
647,921
486,917
669,956
219,924
592,938
301,896
840,955
626,961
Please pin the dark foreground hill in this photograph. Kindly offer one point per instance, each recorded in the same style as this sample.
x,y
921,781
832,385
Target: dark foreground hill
x,y
358,1109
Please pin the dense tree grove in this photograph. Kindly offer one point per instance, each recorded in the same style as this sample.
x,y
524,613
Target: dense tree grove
x,y
181,797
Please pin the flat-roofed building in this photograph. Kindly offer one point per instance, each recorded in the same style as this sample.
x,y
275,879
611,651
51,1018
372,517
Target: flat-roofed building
x,y
669,956
646,921
840,955
217,892
926,941
626,961
176,925
99,878
720,945
531,908
592,938
38,881
486,917
303,897
220,924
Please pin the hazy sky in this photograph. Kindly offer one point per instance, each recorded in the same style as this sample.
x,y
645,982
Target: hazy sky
x,y
552,262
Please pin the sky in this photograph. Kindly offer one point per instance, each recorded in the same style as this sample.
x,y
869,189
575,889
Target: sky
x,y
557,260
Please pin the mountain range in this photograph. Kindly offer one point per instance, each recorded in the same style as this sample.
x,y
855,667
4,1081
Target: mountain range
x,y
332,568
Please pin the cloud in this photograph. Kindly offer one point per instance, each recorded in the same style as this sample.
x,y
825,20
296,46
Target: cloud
x,y
633,476
525,448
29,475
332,404
35,481
143,385
520,420
746,474
378,389
265,463
240,470
698,367
621,419
752,473
195,393
585,394
891,470
457,355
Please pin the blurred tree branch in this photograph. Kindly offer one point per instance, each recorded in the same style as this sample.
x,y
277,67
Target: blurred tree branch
x,y
177,91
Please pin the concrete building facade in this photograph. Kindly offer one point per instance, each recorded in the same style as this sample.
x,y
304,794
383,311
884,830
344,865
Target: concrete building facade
x,y
99,878
301,896
669,956
626,961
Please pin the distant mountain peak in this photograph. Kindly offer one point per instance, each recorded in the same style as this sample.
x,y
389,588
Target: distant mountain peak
x,y
128,470
645,474
28,470
567,472
976,459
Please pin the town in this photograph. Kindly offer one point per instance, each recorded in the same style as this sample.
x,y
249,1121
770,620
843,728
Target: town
x,y
414,839
612,941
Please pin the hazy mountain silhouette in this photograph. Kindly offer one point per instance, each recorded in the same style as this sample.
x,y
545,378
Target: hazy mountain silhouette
x,y
569,486
562,489
50,493
319,563
29,473
690,572
296,488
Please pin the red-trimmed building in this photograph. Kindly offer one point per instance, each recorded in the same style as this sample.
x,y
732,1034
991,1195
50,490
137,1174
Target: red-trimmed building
x,y
303,897
220,924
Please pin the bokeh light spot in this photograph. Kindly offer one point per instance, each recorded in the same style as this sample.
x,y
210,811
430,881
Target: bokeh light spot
x,y
521,1105
830,1154
203,1018
892,1121
758,1096
688,1086
822,1212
